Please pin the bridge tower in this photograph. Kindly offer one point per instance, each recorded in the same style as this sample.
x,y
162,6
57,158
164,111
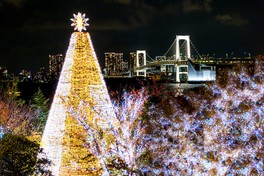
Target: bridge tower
x,y
81,79
141,61
182,56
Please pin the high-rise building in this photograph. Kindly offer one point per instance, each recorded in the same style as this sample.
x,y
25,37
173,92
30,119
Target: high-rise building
x,y
132,65
55,66
114,63
41,76
125,67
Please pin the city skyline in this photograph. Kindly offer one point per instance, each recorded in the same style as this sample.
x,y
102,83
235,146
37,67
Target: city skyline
x,y
32,30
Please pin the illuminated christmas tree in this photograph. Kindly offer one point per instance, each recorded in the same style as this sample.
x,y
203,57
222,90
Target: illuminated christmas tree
x,y
81,79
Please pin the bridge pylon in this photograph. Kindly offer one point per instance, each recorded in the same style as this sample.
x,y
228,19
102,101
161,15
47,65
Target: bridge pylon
x,y
141,61
182,56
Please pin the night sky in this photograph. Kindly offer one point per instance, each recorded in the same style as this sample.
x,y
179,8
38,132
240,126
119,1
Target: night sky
x,y
32,29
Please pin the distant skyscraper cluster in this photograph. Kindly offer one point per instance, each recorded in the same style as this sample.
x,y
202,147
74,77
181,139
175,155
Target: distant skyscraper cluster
x,y
132,61
41,76
115,65
55,65
53,73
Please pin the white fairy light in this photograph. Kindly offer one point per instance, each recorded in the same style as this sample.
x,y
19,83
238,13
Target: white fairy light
x,y
54,129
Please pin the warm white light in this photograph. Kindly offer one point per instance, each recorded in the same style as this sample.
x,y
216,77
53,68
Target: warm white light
x,y
54,129
79,21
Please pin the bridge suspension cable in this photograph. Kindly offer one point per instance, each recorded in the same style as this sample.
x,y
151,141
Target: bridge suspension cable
x,y
149,57
182,45
195,49
169,48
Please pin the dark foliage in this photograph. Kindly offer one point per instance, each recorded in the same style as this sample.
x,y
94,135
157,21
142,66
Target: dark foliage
x,y
18,157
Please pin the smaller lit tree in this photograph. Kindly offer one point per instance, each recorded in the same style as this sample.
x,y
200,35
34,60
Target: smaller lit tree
x,y
130,144
120,146
15,115
39,104
216,130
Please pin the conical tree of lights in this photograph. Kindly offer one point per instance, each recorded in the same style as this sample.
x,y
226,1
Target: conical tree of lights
x,y
81,79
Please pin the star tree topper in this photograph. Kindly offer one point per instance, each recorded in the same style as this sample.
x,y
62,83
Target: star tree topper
x,y
79,21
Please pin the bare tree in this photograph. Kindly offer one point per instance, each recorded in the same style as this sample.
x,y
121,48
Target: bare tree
x,y
216,130
15,115
119,146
